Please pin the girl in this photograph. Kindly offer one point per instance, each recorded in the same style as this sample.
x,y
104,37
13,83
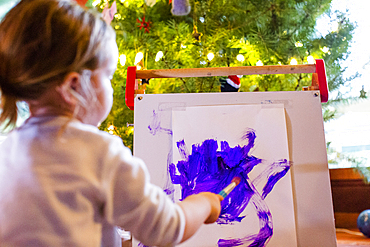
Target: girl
x,y
63,182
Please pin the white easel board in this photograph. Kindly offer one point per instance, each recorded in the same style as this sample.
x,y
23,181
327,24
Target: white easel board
x,y
288,125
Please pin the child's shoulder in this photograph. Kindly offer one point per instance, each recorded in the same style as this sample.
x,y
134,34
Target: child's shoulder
x,y
68,129
76,128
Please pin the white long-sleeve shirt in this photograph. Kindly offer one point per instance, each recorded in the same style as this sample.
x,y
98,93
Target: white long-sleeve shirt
x,y
64,188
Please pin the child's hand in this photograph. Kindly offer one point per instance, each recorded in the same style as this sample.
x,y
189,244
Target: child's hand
x,y
198,209
214,200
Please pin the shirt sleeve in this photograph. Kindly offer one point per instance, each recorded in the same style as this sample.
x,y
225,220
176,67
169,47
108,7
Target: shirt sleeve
x,y
135,204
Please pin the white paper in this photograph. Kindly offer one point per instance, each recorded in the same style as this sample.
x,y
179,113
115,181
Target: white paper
x,y
228,123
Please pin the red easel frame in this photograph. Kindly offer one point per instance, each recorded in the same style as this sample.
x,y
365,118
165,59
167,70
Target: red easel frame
x,y
319,81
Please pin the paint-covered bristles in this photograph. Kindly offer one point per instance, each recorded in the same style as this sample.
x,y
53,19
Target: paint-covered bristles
x,y
236,180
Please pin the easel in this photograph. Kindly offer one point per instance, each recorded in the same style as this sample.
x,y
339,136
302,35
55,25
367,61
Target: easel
x,y
318,76
306,139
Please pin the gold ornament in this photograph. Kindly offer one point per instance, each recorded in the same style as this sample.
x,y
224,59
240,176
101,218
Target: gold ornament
x,y
196,35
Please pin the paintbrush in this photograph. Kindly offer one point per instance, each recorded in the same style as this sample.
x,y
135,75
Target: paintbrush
x,y
230,187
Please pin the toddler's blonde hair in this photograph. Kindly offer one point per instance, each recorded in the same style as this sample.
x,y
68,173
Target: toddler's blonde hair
x,y
41,41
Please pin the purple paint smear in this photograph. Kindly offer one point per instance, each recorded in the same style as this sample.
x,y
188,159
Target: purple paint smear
x,y
155,128
155,125
207,169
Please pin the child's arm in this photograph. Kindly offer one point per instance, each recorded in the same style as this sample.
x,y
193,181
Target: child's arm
x,y
200,208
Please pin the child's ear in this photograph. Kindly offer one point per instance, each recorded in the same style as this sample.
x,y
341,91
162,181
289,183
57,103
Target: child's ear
x,y
70,84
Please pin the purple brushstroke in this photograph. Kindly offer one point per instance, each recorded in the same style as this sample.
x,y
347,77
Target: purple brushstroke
x,y
155,125
207,169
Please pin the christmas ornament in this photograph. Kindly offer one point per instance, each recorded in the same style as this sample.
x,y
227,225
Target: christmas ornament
x,y
363,222
230,84
108,13
143,24
195,33
363,93
180,7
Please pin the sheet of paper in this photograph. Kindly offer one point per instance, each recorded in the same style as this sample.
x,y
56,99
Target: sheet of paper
x,y
235,125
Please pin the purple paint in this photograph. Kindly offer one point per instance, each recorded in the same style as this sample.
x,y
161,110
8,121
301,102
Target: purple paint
x,y
207,169
276,176
155,125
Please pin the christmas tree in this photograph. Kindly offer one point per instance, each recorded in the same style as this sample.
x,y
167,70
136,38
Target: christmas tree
x,y
219,33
